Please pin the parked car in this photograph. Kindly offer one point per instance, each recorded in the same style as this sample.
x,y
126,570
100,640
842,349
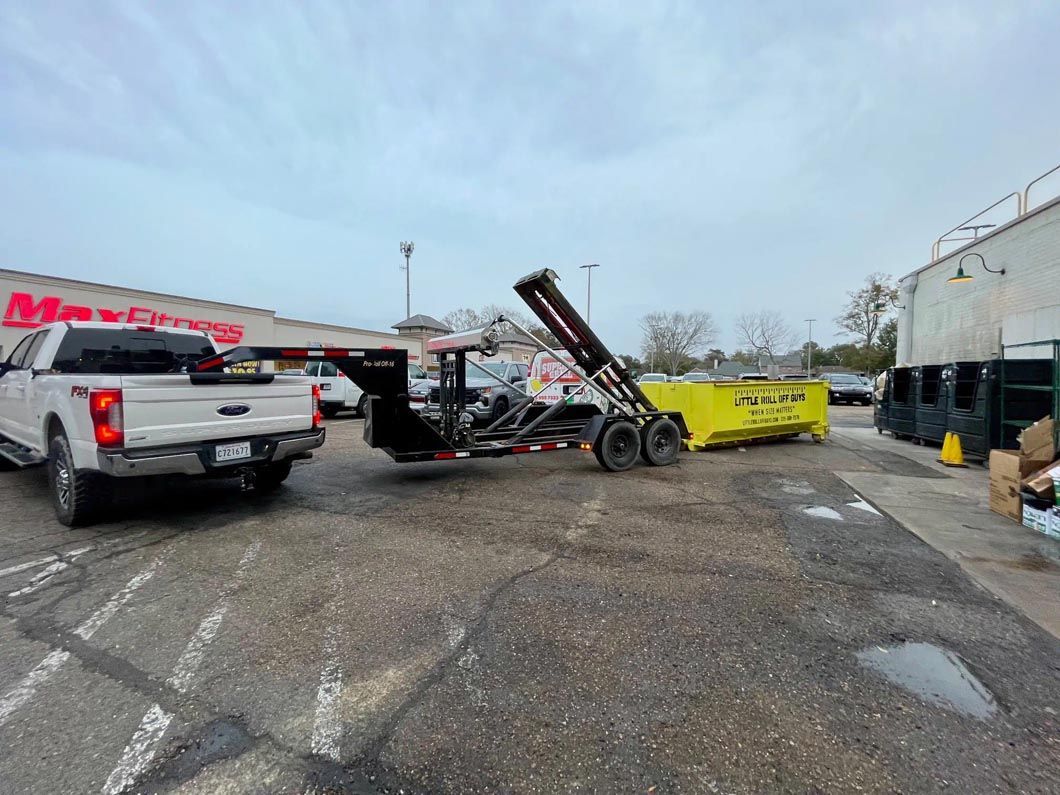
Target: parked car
x,y
794,377
847,388
646,378
753,377
697,378
486,398
99,401
337,392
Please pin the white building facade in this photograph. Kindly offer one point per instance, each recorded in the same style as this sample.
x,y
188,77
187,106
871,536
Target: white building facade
x,y
944,322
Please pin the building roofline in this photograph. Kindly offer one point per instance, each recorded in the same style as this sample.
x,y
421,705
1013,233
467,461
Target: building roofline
x,y
290,321
98,287
993,232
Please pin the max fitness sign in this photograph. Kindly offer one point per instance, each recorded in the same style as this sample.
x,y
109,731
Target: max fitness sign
x,y
25,310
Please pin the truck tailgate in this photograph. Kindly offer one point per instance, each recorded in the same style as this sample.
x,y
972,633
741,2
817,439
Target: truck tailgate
x,y
170,409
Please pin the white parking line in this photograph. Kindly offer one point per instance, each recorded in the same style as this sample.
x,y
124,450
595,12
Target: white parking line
x,y
327,730
149,735
32,564
151,730
24,691
41,577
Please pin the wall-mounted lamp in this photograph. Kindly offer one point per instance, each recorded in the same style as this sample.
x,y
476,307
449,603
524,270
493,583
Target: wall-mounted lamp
x,y
962,277
879,310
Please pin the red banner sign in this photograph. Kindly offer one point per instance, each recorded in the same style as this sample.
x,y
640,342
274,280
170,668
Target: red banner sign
x,y
24,310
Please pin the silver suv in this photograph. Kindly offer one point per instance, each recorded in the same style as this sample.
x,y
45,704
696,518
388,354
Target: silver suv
x,y
487,399
847,388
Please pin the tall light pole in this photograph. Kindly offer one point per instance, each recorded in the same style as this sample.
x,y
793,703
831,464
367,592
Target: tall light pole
x,y
407,249
589,290
809,346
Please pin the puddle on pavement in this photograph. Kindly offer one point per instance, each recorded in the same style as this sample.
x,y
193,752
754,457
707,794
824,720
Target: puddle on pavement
x,y
799,487
935,675
823,512
861,505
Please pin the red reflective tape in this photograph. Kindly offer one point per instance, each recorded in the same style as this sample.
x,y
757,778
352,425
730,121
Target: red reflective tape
x,y
333,354
211,363
523,448
440,456
294,354
549,446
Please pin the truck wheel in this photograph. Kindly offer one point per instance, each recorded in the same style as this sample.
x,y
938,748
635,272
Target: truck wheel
x,y
662,440
618,447
362,406
270,476
500,408
79,497
329,411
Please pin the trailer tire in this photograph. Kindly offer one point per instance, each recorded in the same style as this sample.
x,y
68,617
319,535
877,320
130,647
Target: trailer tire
x,y
329,412
362,407
661,442
618,446
78,496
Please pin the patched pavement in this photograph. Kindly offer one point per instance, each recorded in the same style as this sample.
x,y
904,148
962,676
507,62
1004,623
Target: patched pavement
x,y
525,624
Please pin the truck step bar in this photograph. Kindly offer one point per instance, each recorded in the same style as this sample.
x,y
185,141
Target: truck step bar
x,y
405,435
20,456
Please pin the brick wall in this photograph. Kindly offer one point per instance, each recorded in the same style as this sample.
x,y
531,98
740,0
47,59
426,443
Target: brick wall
x,y
950,322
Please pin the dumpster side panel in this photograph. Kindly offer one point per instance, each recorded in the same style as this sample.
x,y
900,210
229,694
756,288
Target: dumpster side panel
x,y
735,411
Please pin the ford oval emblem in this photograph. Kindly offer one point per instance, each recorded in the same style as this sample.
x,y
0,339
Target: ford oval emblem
x,y
233,410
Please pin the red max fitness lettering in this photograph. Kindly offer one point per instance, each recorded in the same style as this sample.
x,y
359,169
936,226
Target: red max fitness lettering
x,y
24,310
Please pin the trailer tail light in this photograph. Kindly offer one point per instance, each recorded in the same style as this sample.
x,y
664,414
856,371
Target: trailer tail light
x,y
316,406
108,419
587,446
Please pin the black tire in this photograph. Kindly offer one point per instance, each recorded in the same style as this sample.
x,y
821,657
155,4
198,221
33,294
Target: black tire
x,y
661,442
329,411
362,406
79,497
879,431
270,476
866,403
618,446
500,407
831,399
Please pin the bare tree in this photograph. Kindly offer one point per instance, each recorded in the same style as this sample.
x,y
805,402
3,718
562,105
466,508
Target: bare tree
x,y
467,318
672,337
765,332
461,319
859,318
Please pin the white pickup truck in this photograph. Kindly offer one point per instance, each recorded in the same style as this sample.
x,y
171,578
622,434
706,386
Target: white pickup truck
x,y
98,401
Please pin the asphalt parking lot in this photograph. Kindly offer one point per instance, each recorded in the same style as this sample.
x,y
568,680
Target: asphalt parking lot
x,y
523,624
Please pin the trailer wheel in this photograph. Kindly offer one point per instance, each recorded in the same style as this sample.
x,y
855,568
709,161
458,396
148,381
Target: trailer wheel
x,y
270,476
362,407
618,447
660,443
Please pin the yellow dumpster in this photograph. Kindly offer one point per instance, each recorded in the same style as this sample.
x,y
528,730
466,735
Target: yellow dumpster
x,y
727,412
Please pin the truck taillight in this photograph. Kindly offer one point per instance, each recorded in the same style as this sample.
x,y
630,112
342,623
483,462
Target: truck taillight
x,y
316,405
108,419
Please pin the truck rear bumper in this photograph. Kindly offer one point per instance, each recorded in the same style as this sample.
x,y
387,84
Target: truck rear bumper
x,y
198,459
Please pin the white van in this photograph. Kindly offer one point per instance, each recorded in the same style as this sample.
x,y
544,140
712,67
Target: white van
x,y
545,367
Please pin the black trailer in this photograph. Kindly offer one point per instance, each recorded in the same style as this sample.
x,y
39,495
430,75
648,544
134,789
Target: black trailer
x,y
629,429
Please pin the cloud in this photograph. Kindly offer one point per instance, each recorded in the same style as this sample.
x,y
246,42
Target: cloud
x,y
716,156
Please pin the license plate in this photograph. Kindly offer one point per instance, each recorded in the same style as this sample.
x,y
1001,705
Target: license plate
x,y
325,387
232,452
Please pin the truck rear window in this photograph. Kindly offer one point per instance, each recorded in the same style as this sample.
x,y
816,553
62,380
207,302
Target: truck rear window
x,y
121,352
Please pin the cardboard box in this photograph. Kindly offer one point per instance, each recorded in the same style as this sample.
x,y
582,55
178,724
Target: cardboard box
x,y
1037,514
1043,482
1036,442
1005,477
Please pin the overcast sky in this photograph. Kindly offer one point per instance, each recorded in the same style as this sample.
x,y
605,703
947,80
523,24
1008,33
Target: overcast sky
x,y
716,156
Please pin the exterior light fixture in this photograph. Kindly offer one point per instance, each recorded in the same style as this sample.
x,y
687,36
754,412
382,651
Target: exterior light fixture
x,y
962,277
879,309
